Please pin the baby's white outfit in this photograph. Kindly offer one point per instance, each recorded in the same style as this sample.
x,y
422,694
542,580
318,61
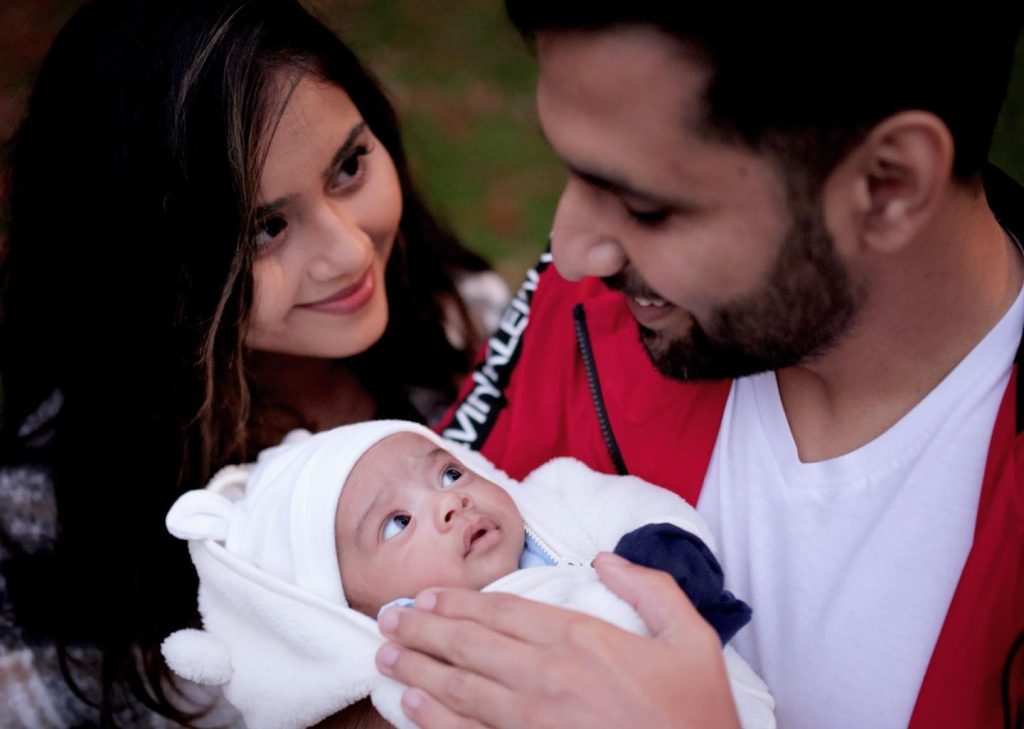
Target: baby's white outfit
x,y
278,634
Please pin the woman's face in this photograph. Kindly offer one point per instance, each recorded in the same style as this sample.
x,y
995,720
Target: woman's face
x,y
329,206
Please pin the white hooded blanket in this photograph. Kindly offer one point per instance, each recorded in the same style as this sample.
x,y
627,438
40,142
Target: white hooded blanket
x,y
287,657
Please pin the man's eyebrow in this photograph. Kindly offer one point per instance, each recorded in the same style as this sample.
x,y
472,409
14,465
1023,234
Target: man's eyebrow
x,y
619,187
344,150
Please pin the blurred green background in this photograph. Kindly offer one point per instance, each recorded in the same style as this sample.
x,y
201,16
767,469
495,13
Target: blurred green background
x,y
462,81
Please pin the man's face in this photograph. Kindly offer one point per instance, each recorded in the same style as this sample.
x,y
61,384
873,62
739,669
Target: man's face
x,y
727,271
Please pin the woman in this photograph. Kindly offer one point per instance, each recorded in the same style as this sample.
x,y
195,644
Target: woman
x,y
213,238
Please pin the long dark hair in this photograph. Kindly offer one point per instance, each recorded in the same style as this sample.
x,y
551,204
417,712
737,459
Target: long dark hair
x,y
126,287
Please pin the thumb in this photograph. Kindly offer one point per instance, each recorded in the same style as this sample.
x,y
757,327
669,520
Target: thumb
x,y
655,596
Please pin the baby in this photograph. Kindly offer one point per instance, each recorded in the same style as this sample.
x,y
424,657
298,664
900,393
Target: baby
x,y
297,553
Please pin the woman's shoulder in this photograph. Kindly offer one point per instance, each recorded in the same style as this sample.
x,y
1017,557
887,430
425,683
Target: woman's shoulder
x,y
28,506
485,295
32,687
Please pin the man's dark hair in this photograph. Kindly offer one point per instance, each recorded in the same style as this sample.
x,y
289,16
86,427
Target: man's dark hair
x,y
809,84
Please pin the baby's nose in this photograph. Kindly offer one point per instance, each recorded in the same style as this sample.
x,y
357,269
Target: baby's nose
x,y
452,502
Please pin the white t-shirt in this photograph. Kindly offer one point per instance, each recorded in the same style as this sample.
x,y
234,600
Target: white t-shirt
x,y
850,563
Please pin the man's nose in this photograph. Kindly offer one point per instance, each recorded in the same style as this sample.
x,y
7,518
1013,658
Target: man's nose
x,y
449,504
583,241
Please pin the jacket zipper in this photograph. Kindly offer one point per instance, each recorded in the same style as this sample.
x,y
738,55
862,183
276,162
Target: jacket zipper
x,y
583,341
548,550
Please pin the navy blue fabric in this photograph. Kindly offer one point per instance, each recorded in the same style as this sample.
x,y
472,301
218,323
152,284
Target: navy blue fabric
x,y
693,567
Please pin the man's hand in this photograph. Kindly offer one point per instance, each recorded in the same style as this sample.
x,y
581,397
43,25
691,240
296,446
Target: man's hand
x,y
489,659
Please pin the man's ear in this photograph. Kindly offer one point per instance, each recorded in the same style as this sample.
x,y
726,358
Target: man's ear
x,y
888,187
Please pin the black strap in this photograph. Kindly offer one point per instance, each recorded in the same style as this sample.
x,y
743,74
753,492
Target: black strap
x,y
1013,707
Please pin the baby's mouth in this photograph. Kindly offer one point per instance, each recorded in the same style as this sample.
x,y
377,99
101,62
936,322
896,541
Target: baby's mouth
x,y
477,530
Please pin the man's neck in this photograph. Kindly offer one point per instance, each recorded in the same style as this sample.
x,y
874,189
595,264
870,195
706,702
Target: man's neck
x,y
925,309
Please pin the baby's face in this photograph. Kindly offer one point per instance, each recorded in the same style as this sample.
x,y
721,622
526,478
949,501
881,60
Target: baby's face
x,y
411,517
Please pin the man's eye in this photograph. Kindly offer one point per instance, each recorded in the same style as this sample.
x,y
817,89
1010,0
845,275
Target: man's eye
x,y
449,476
394,525
648,217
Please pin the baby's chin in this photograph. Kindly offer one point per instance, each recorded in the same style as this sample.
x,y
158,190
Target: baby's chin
x,y
368,610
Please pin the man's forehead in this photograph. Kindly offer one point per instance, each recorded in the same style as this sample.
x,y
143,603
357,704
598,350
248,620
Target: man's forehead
x,y
624,109
631,60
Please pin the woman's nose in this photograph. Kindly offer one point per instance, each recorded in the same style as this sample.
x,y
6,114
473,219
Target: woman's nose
x,y
450,503
582,243
341,248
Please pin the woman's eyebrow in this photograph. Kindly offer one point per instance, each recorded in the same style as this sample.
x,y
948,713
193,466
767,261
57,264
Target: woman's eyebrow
x,y
344,150
267,209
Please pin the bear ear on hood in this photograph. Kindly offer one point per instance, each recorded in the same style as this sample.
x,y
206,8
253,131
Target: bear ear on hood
x,y
207,513
197,656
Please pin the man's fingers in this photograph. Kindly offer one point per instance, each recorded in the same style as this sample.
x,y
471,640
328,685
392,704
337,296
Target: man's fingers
x,y
529,621
445,695
429,713
655,596
461,643
508,662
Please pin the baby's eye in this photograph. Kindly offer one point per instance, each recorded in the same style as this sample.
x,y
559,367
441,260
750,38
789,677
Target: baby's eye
x,y
394,525
450,475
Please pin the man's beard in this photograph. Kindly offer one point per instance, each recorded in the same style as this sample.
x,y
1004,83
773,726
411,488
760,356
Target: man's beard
x,y
807,303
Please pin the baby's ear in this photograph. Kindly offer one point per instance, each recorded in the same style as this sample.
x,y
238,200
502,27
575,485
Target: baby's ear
x,y
197,656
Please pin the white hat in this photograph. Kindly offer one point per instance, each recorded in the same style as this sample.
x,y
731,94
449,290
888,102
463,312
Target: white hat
x,y
281,516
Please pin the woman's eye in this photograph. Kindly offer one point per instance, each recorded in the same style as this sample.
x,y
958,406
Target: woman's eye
x,y
449,476
394,525
352,167
269,229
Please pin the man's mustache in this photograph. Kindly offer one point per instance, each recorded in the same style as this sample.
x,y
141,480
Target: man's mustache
x,y
630,284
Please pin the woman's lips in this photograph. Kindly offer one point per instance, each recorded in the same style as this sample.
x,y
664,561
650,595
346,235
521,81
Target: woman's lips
x,y
348,300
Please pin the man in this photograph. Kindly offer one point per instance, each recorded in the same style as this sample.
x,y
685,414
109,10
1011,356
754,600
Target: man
x,y
799,206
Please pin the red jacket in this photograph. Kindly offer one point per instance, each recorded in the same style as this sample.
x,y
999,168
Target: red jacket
x,y
577,382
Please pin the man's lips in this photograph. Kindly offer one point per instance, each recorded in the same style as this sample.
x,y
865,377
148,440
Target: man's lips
x,y
347,300
479,534
647,307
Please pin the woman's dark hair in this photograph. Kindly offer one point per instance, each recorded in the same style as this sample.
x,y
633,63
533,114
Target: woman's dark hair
x,y
806,84
126,287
